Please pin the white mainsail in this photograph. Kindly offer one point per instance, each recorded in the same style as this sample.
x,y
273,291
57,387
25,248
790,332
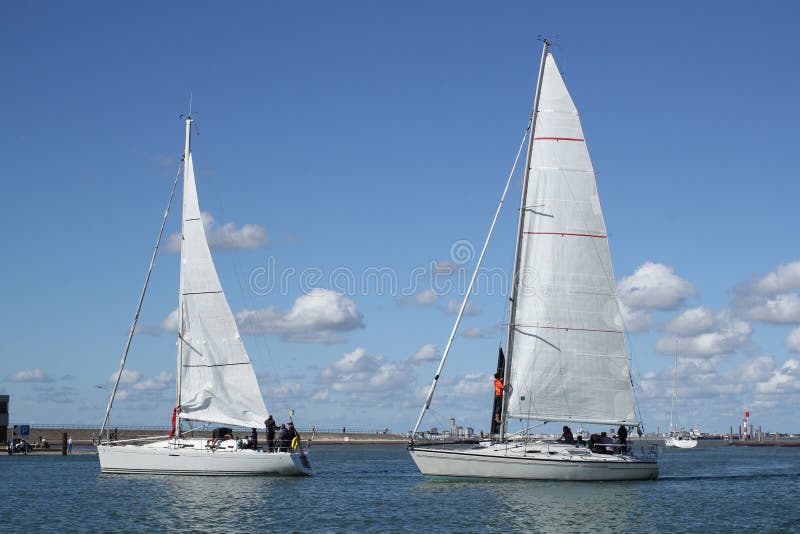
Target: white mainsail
x,y
568,359
216,381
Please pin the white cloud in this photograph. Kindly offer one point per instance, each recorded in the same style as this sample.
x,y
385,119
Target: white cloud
x,y
426,353
30,375
312,319
320,395
454,305
778,309
480,333
170,324
728,336
654,287
756,370
359,372
692,322
785,278
227,236
473,385
425,298
635,320
128,377
783,380
161,381
793,341
289,390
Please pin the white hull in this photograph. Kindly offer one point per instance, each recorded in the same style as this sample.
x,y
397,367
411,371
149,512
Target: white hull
x,y
680,443
531,461
193,457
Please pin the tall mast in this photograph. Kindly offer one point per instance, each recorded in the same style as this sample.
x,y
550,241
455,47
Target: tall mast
x,y
520,228
674,387
186,153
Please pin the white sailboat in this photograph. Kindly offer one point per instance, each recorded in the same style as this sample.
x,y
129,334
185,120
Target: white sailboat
x,y
677,439
566,357
216,384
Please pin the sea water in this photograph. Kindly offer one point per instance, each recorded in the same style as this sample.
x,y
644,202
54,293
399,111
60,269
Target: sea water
x,y
377,488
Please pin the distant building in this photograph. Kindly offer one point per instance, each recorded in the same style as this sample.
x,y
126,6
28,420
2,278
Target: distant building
x,y
4,400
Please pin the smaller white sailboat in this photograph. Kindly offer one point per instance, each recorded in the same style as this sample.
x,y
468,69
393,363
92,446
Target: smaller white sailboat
x,y
677,439
216,384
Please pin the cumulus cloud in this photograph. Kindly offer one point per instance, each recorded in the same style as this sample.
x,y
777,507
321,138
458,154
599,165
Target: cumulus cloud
x,y
162,380
635,320
454,305
793,341
313,318
692,322
471,386
128,377
727,336
30,375
426,297
170,323
227,236
785,278
654,286
783,380
783,308
480,333
289,390
427,353
359,372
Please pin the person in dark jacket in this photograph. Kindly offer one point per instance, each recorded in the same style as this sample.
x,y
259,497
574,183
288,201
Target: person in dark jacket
x,y
253,438
622,435
283,438
292,434
270,424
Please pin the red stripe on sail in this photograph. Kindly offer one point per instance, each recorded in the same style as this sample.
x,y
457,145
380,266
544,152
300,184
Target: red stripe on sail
x,y
565,234
566,328
557,139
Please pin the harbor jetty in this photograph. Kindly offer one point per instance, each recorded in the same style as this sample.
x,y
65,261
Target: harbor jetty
x,y
87,436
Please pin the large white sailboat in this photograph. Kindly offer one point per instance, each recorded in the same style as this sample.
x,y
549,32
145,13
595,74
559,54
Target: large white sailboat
x,y
566,359
216,384
677,439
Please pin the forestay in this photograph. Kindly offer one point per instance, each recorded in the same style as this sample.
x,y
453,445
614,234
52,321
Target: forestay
x,y
568,355
217,382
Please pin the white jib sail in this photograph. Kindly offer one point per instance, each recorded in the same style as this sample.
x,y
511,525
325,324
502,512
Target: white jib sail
x,y
217,382
568,355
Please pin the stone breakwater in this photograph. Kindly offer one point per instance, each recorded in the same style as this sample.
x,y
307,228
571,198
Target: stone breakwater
x,y
81,436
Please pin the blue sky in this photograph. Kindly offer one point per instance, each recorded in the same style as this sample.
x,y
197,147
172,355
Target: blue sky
x,y
338,139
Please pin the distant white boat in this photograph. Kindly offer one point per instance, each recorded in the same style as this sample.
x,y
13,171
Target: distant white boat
x,y
677,439
566,355
216,384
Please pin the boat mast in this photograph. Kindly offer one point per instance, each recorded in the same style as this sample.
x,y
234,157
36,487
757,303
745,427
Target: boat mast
x,y
186,153
674,387
520,227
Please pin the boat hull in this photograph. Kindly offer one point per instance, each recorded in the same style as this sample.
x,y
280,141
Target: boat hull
x,y
531,463
675,443
169,460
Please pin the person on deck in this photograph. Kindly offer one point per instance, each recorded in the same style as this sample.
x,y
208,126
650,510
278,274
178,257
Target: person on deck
x,y
253,438
292,434
605,441
622,435
566,435
270,424
283,439
498,399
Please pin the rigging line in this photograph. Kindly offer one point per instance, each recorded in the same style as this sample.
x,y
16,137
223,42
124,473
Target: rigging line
x,y
471,284
141,299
